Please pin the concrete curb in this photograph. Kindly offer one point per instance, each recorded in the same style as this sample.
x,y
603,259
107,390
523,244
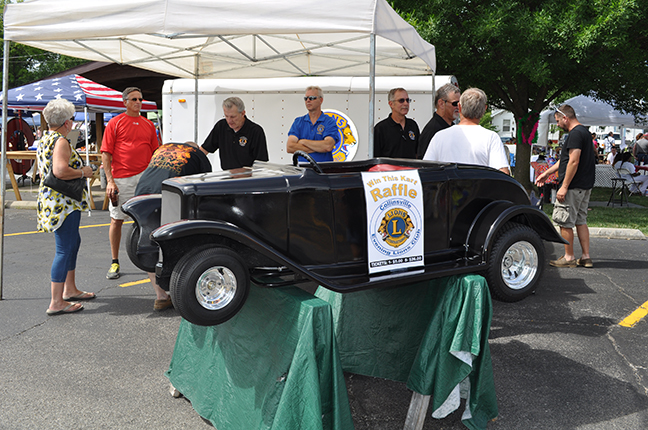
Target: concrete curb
x,y
617,233
24,204
612,233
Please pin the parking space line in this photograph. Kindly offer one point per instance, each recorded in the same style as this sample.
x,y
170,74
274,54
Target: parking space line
x,y
636,316
83,226
130,284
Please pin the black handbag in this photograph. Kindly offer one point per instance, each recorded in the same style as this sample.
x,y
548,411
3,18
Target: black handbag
x,y
72,188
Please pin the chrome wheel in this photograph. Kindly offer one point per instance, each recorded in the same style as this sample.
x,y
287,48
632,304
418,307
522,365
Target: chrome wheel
x,y
519,265
216,288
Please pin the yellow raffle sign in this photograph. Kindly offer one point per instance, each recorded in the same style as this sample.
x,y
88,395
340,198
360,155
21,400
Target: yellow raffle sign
x,y
394,219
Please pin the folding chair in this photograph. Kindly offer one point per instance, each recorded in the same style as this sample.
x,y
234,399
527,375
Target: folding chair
x,y
620,187
633,186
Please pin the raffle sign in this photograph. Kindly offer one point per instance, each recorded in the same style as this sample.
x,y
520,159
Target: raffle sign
x,y
394,219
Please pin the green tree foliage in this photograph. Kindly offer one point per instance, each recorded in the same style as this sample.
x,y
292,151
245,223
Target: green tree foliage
x,y
27,64
529,54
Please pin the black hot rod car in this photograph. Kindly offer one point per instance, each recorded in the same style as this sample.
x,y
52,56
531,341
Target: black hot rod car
x,y
208,236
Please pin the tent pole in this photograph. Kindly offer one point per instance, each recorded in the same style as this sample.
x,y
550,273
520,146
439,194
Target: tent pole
x,y
372,92
87,153
3,164
196,102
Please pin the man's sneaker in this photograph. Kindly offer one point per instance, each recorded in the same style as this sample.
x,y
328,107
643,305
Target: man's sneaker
x,y
113,273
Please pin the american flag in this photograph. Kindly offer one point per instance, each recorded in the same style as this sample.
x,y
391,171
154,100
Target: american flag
x,y
75,88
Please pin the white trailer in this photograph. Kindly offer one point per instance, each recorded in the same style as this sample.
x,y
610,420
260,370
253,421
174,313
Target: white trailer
x,y
274,103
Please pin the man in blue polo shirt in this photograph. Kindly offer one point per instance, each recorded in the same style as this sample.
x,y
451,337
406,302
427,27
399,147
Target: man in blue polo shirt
x,y
314,133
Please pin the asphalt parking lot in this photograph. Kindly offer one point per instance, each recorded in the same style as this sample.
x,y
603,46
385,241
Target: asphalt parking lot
x,y
560,358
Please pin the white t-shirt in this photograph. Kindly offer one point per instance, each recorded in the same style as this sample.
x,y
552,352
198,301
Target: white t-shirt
x,y
625,165
611,157
609,141
470,144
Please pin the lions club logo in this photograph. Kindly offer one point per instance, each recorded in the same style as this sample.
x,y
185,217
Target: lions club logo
x,y
348,146
396,227
242,141
412,136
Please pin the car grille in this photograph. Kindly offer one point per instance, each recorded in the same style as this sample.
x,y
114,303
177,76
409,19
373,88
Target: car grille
x,y
171,207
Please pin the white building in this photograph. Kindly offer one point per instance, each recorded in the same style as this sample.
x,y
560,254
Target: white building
x,y
504,122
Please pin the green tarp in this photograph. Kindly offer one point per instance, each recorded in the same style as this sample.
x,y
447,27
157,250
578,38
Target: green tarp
x,y
278,364
432,335
273,366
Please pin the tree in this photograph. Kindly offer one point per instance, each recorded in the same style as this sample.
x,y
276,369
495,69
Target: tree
x,y
529,54
28,64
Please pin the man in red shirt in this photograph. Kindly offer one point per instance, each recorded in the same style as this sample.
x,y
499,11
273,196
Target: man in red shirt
x,y
128,144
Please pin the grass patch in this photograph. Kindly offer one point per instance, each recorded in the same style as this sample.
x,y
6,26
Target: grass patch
x,y
614,217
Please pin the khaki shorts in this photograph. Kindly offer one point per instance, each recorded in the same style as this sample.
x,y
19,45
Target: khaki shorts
x,y
573,211
126,188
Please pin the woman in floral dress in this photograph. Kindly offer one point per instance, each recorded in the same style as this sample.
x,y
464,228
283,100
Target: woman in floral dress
x,y
58,213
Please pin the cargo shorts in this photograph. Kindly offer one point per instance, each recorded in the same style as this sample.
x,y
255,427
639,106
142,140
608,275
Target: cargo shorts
x,y
573,211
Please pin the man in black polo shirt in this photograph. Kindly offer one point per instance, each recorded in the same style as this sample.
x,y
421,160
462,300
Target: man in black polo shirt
x,y
396,136
239,140
447,110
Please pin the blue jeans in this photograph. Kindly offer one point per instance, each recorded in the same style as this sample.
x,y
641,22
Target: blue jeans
x,y
68,241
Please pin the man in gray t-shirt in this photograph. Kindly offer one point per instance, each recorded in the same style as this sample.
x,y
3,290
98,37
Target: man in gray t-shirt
x,y
640,149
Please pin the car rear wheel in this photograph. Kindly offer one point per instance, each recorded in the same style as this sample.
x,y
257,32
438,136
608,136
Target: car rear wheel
x,y
516,263
209,285
145,262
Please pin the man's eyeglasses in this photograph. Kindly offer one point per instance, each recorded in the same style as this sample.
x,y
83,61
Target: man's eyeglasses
x,y
562,113
455,103
311,98
135,99
402,100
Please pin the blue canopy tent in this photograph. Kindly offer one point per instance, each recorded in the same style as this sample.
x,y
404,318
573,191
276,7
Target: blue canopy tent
x,y
81,92
84,94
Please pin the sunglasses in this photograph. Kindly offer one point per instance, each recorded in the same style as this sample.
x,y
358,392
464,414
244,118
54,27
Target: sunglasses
x,y
311,98
402,100
562,113
455,103
135,99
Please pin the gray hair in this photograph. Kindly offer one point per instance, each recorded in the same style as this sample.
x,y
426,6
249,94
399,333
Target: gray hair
x,y
129,90
57,112
392,93
473,103
230,102
445,90
320,93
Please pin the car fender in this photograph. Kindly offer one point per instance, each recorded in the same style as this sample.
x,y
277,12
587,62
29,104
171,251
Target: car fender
x,y
145,211
174,231
492,218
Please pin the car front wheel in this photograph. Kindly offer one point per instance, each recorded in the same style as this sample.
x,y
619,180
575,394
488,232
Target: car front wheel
x,y
515,264
209,285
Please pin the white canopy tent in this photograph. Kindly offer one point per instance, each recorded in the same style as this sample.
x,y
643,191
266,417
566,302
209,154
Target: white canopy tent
x,y
224,39
588,112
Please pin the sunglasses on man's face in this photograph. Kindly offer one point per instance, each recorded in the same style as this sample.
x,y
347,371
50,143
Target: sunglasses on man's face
x,y
135,99
455,103
401,101
311,98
